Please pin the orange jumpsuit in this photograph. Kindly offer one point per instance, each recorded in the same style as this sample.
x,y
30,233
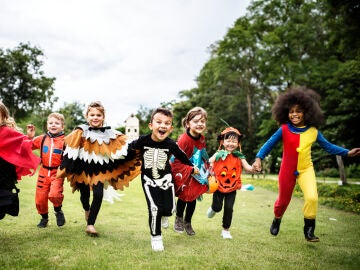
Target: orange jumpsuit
x,y
48,187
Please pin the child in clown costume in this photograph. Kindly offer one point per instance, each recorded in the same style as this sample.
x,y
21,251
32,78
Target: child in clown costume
x,y
190,187
299,114
96,156
226,165
48,186
16,160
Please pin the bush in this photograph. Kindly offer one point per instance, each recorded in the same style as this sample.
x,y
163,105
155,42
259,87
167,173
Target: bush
x,y
329,172
340,197
353,171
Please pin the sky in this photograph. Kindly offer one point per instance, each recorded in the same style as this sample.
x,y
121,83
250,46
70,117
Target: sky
x,y
124,53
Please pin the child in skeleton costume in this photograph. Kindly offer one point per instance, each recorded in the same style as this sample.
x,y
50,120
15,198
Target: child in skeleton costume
x,y
299,114
156,178
16,160
96,155
227,165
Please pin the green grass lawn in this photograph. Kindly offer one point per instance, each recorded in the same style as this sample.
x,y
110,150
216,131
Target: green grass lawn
x,y
124,242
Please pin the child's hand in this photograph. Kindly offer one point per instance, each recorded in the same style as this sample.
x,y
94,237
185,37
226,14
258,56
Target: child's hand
x,y
257,165
30,130
252,169
354,152
196,170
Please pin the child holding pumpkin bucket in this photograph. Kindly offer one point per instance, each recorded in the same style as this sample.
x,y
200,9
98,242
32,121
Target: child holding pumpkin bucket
x,y
226,166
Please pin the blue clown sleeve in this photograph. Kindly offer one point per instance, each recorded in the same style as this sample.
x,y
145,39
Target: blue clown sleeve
x,y
270,143
330,147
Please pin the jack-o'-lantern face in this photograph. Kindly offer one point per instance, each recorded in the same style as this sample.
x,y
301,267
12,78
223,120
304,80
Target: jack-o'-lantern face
x,y
228,174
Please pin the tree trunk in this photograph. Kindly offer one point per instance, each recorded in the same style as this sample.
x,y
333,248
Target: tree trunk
x,y
341,170
248,100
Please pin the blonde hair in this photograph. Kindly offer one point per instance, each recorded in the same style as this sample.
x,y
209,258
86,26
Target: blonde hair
x,y
192,113
5,119
57,116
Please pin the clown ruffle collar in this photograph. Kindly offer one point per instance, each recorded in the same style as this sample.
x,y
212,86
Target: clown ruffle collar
x,y
222,154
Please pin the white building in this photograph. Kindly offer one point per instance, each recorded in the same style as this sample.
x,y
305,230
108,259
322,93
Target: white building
x,y
132,127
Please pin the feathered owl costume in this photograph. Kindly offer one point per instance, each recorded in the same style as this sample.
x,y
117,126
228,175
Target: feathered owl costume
x,y
98,154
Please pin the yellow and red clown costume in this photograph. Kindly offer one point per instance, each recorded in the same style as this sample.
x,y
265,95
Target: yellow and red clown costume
x,y
48,186
297,165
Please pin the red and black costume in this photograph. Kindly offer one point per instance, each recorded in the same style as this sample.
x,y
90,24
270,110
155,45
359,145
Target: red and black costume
x,y
190,187
16,160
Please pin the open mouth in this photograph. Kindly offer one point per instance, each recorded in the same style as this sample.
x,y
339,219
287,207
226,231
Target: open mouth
x,y
162,132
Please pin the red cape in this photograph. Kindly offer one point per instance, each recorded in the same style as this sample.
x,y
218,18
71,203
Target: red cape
x,y
16,149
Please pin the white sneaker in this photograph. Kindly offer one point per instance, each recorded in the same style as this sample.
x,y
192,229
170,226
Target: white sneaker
x,y
157,243
226,234
165,222
210,213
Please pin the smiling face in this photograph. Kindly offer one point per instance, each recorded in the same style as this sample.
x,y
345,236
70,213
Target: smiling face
x,y
231,143
161,127
95,117
54,125
296,116
197,125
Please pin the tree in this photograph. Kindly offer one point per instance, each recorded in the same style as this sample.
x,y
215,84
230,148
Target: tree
x,y
23,86
278,44
74,115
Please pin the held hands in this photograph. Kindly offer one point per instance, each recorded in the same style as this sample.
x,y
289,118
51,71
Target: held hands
x,y
257,165
30,130
354,152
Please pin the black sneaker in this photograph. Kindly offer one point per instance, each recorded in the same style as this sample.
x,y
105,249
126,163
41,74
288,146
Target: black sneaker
x,y
43,223
275,226
188,228
60,218
179,224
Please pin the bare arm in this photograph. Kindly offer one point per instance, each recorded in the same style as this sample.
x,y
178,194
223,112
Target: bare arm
x,y
354,152
246,165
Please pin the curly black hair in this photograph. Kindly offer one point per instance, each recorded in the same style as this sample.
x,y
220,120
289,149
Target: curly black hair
x,y
307,99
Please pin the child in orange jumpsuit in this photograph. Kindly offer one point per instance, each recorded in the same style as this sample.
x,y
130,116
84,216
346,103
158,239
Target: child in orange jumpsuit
x,y
48,186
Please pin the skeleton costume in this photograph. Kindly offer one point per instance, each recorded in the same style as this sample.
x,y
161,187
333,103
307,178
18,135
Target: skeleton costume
x,y
156,177
94,157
